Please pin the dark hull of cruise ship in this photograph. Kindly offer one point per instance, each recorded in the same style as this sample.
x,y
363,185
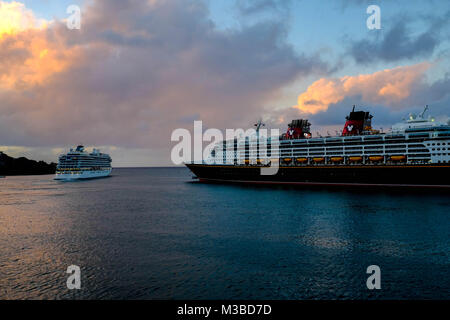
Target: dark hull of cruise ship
x,y
429,176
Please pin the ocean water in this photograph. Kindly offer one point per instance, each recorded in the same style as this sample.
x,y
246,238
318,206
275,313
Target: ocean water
x,y
153,233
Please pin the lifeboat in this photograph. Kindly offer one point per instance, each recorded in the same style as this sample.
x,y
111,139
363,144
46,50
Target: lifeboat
x,y
319,159
337,159
355,159
247,161
302,160
398,158
376,158
287,160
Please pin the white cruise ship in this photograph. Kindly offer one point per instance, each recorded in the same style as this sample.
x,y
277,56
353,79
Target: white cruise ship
x,y
79,164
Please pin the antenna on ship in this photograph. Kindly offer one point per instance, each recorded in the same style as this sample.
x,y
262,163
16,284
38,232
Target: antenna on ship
x,y
259,124
423,112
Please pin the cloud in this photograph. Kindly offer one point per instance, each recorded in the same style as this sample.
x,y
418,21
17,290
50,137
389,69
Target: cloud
x,y
390,87
29,58
137,70
15,17
250,7
28,54
397,44
400,42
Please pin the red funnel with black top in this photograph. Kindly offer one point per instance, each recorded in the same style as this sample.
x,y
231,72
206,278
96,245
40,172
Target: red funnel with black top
x,y
357,122
298,129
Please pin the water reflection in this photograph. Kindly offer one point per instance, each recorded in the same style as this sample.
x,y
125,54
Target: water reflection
x,y
147,233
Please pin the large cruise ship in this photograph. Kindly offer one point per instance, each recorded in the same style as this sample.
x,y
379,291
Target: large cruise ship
x,y
79,164
415,152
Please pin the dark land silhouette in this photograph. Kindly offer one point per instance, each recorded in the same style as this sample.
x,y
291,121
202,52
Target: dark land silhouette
x,y
10,166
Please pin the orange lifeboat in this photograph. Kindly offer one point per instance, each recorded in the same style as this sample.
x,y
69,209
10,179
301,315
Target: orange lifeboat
x,y
398,158
337,159
355,159
302,160
376,158
319,159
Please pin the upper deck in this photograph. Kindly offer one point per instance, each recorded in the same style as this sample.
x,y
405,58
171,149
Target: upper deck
x,y
416,140
79,158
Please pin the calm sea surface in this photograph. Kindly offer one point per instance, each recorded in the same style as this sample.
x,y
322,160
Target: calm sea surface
x,y
155,234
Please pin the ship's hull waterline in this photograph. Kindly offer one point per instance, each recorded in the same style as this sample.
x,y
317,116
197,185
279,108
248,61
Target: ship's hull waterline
x,y
80,175
430,176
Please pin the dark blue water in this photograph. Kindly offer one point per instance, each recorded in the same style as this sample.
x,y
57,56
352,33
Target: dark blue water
x,y
155,234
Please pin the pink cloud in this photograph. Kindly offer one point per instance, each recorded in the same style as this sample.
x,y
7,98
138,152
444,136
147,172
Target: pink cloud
x,y
389,87
137,70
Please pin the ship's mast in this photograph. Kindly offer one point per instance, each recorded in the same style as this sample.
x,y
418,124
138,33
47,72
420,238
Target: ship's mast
x,y
423,112
259,124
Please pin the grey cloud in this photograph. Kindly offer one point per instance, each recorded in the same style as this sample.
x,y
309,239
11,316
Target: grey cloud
x,y
249,7
395,45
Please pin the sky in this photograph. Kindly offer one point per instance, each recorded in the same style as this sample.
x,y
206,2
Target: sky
x,y
136,70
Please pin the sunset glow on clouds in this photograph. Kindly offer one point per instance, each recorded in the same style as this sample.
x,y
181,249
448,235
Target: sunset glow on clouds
x,y
388,87
28,56
32,59
15,17
139,69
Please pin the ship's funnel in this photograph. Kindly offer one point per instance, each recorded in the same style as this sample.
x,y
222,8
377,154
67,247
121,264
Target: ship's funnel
x,y
298,129
357,123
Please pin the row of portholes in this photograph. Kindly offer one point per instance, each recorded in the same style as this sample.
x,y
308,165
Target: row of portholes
x,y
438,149
438,144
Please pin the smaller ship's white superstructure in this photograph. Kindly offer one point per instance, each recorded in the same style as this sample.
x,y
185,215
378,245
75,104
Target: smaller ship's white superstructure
x,y
79,164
